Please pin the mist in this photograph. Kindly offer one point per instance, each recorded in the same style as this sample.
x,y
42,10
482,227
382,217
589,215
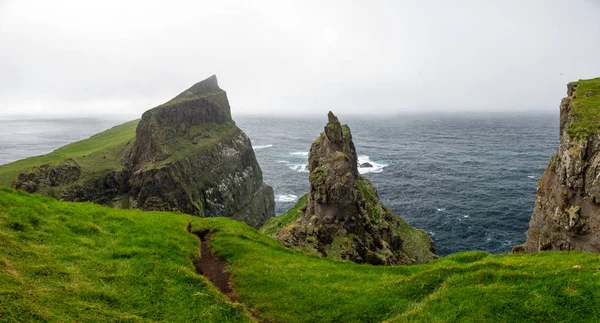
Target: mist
x,y
120,58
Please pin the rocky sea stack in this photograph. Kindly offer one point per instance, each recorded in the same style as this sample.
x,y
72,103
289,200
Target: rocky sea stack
x,y
343,217
187,155
566,215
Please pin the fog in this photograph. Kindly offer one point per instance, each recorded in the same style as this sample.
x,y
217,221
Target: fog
x,y
84,58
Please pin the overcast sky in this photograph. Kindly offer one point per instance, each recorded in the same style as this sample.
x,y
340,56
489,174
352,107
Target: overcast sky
x,y
295,57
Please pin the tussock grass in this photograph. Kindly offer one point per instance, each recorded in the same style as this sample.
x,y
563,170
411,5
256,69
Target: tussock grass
x,y
286,286
79,262
64,262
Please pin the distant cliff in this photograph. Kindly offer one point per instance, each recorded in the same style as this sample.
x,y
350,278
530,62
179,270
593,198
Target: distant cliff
x,y
343,217
187,155
566,215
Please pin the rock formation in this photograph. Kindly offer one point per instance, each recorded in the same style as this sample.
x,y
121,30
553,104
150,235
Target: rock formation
x,y
566,214
188,155
343,218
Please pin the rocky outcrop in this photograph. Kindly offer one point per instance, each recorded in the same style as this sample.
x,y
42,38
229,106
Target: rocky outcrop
x,y
343,217
188,155
566,214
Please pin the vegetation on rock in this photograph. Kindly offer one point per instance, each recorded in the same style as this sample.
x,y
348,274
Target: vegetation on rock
x,y
342,218
185,155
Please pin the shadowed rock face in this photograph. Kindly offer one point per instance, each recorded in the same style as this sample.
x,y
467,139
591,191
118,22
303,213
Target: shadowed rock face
x,y
188,155
566,214
343,218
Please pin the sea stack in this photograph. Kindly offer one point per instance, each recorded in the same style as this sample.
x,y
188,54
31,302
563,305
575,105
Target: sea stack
x,y
566,214
343,218
187,155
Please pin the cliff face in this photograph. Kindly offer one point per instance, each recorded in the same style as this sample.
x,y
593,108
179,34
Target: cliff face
x,y
188,155
343,218
566,215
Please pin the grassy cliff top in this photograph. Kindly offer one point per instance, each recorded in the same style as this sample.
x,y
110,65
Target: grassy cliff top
x,y
586,109
82,262
88,151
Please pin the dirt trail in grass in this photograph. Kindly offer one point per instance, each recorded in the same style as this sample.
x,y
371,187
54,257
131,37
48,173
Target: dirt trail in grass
x,y
213,268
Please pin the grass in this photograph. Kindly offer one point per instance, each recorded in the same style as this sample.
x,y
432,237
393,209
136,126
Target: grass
x,y
66,262
275,223
99,152
586,109
285,286
63,262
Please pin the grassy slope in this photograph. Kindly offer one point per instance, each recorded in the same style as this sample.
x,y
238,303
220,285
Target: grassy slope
x,y
285,286
67,262
586,109
89,153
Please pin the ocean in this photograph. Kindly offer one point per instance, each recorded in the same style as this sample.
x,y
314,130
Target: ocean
x,y
468,180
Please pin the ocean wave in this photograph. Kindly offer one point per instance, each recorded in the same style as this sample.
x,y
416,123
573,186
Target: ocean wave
x,y
302,168
262,147
283,161
377,167
299,154
286,198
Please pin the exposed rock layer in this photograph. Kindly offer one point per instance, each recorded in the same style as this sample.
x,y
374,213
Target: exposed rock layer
x,y
188,156
566,214
343,218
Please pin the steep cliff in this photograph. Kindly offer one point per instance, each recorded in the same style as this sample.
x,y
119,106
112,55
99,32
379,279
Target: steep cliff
x,y
187,155
566,214
343,217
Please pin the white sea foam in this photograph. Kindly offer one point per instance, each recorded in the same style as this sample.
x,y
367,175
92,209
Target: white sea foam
x,y
284,198
531,176
441,209
300,154
262,147
302,168
283,161
377,166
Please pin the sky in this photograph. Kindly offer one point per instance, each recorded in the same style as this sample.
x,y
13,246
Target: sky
x,y
100,58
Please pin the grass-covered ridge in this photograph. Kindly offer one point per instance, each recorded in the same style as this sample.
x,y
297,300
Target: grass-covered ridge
x,y
63,262
285,286
90,153
586,109
79,262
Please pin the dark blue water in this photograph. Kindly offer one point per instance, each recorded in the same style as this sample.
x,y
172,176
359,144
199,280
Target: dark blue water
x,y
469,181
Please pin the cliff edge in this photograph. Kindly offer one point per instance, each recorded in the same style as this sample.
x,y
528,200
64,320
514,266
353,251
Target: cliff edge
x,y
566,214
187,155
343,218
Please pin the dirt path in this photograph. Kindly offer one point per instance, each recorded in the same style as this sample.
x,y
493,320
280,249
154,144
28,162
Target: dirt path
x,y
213,268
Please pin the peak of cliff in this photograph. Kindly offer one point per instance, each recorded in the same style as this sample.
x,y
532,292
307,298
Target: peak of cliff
x,y
187,155
192,112
343,217
207,86
566,214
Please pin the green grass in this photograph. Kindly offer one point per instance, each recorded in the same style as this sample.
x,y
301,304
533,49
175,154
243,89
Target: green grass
x,y
277,222
79,262
586,109
95,154
64,262
285,286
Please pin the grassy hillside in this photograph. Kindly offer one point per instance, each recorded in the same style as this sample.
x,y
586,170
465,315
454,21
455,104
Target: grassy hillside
x,y
284,286
67,262
82,262
90,153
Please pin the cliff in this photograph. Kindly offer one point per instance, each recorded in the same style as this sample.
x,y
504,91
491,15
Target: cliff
x,y
343,217
186,155
566,214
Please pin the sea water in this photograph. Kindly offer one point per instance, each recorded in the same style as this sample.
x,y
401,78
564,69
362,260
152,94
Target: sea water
x,y
469,181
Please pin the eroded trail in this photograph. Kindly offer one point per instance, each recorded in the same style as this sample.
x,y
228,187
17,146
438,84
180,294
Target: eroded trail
x,y
212,267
